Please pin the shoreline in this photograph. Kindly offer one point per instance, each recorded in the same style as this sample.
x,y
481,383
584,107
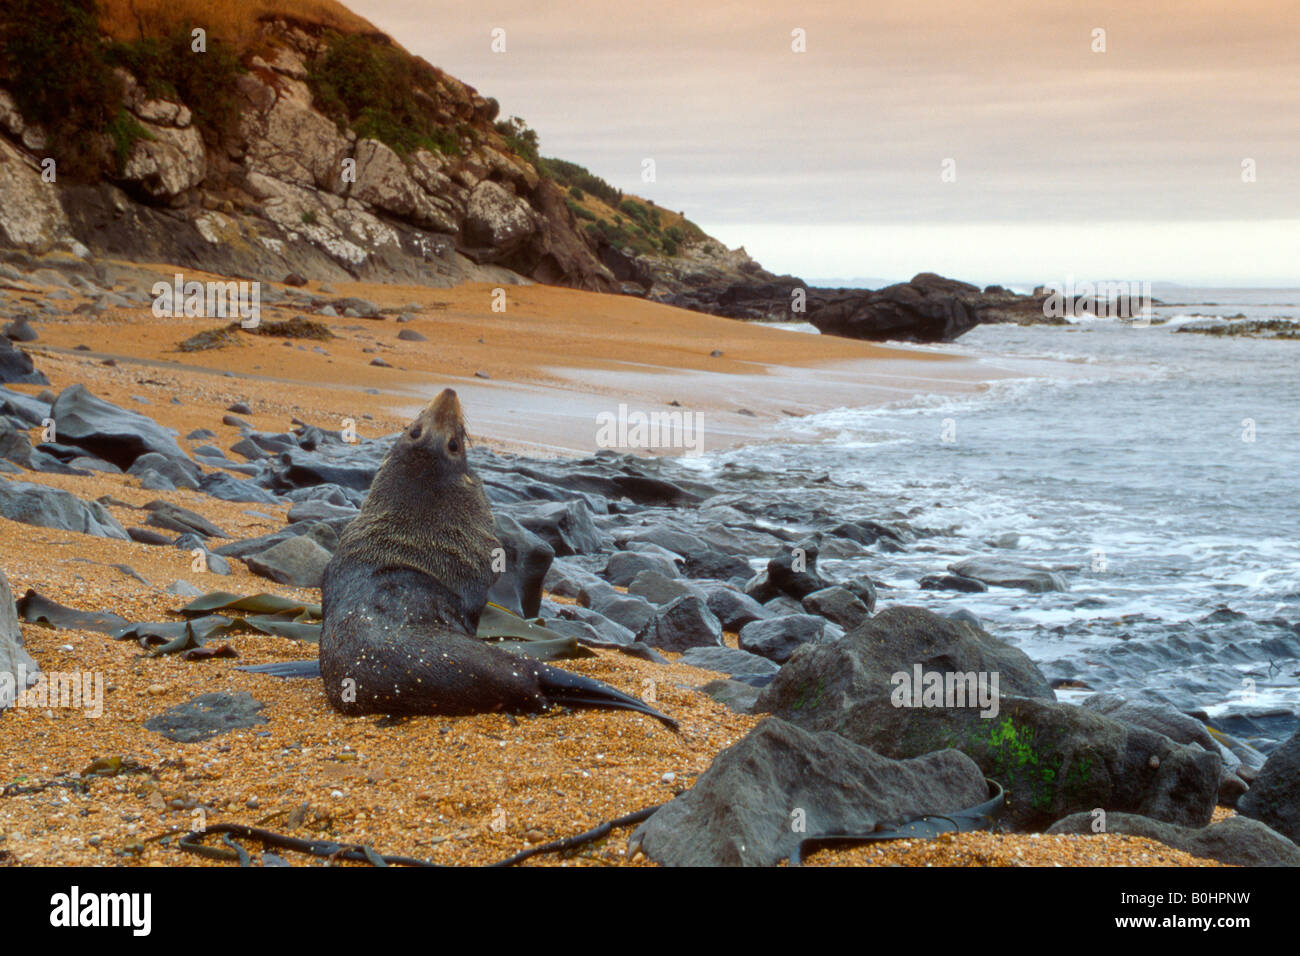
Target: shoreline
x,y
387,784
533,379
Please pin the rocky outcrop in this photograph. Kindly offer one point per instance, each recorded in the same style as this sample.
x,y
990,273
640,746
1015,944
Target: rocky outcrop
x,y
929,308
1274,797
16,665
1053,759
286,191
31,216
708,277
780,785
16,366
1237,841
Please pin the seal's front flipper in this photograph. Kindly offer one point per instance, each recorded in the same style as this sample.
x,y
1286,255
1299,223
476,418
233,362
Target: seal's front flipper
x,y
573,690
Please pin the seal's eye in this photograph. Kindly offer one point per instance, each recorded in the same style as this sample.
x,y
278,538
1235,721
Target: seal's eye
x,y
416,430
453,446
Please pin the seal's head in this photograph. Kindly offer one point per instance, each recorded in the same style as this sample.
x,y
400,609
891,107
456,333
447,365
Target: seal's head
x,y
427,511
435,442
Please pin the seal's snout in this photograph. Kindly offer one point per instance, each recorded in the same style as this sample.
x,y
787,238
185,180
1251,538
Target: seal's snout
x,y
447,416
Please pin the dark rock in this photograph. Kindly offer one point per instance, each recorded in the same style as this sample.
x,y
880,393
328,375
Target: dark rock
x,y
927,309
527,560
1231,788
566,579
1053,759
109,432
145,536
31,411
952,582
318,510
20,330
1274,797
181,474
778,638
353,468
631,612
685,623
734,609
566,526
410,335
794,571
728,660
218,484
760,588
864,589
207,716
164,514
716,565
239,408
671,539
16,366
740,811
299,562
1236,841
16,447
605,630
624,566
660,590
1004,573
364,308
150,480
1163,719
54,508
838,605
14,658
735,695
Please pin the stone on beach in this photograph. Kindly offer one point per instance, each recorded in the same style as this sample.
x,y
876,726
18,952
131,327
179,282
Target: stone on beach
x,y
740,811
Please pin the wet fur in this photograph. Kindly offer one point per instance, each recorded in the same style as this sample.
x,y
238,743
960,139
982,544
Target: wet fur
x,y
401,597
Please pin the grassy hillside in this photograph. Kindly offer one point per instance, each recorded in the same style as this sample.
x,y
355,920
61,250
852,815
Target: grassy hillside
x,y
361,79
622,218
235,22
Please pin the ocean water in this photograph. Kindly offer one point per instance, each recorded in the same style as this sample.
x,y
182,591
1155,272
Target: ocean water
x,y
1157,471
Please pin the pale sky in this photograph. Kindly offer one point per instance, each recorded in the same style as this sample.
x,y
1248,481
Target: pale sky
x,y
1126,163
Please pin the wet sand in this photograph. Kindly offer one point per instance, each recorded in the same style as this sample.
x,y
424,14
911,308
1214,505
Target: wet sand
x,y
533,378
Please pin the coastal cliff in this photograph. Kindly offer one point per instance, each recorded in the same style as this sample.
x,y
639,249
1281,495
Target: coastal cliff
x,y
307,144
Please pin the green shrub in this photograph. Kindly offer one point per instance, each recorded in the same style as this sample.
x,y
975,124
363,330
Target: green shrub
x,y
61,75
365,84
51,53
579,211
125,131
576,193
574,176
521,139
169,68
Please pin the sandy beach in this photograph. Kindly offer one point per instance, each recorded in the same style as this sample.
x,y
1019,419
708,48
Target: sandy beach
x,y
465,790
532,378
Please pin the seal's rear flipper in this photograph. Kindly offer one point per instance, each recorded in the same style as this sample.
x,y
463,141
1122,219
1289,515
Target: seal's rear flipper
x,y
574,690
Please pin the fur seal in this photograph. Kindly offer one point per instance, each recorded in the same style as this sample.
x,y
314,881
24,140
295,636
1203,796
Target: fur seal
x,y
402,595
